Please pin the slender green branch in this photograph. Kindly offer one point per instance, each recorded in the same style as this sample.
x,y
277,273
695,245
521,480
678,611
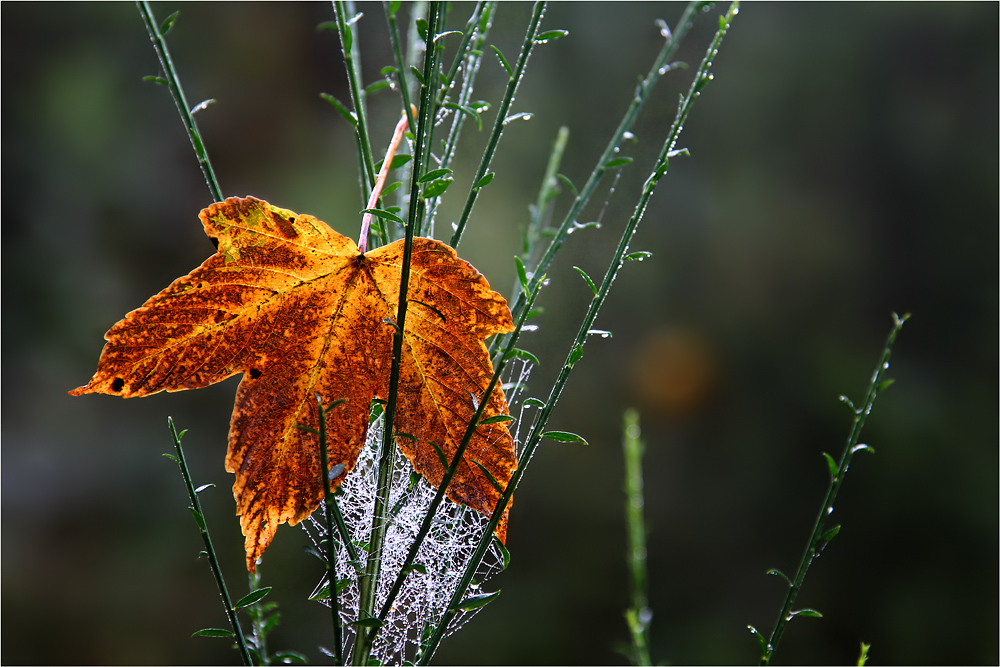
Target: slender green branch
x,y
258,619
425,526
501,121
174,84
660,67
353,66
576,349
369,582
199,517
397,52
639,615
820,535
331,547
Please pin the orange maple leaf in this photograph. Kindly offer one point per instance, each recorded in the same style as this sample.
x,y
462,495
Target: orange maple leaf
x,y
297,309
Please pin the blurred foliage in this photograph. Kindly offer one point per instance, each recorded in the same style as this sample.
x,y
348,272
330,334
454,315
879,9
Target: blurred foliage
x,y
844,165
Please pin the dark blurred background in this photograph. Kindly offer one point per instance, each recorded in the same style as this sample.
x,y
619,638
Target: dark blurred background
x,y
843,166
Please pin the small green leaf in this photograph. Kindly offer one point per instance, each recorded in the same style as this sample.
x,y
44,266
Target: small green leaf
x,y
504,554
446,33
478,601
534,312
564,436
831,464
618,162
534,403
203,487
307,429
416,567
885,384
441,457
398,161
779,573
408,436
485,180
590,282
381,213
503,61
496,420
576,354
376,86
522,275
760,640
829,535
490,477
213,632
468,111
168,23
524,354
569,184
391,188
290,657
388,70
155,79
198,518
431,175
252,597
550,35
327,25
324,593
638,255
341,109
417,74
812,613
348,38
173,458
437,188
422,28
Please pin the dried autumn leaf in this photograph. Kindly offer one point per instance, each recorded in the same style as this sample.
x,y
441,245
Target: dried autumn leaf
x,y
297,309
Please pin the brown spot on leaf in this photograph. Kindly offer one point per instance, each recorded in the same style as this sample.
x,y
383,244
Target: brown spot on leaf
x,y
118,385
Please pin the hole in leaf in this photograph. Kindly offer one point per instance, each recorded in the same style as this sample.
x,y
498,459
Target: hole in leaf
x,y
254,373
118,384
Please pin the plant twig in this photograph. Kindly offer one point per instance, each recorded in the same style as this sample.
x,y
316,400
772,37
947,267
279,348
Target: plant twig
x,y
576,349
199,518
369,581
501,121
820,536
639,615
174,84
331,547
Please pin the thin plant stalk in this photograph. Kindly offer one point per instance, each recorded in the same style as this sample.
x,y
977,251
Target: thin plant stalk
x,y
213,561
820,536
660,67
369,581
500,123
351,57
425,526
401,74
472,52
576,349
174,84
639,615
331,547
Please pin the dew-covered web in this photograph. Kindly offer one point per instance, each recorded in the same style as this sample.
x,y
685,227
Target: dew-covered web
x,y
444,553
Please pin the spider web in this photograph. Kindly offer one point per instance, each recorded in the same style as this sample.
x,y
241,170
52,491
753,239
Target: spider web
x,y
444,554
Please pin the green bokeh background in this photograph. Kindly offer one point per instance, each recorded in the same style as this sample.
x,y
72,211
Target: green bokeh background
x,y
843,165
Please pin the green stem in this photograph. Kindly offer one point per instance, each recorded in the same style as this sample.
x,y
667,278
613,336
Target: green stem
x,y
331,547
639,615
369,582
820,536
397,52
642,93
206,538
351,63
535,434
501,121
258,618
425,526
479,24
174,84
